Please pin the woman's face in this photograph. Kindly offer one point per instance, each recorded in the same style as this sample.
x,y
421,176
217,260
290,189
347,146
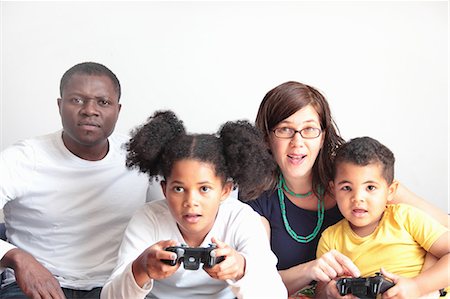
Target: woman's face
x,y
194,193
296,156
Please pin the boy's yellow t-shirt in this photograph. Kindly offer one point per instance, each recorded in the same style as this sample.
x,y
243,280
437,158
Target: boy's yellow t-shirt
x,y
399,243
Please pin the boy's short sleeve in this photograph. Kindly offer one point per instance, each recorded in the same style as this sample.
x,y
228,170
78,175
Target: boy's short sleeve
x,y
324,243
423,228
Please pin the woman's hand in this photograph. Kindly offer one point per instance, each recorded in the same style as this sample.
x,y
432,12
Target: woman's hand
x,y
331,265
232,267
148,265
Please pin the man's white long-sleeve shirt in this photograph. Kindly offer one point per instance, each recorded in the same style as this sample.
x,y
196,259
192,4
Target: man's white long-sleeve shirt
x,y
69,213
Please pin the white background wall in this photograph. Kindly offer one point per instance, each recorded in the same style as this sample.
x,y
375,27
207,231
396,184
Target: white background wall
x,y
382,65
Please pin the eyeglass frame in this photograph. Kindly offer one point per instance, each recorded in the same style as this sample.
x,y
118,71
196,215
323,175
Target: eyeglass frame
x,y
298,131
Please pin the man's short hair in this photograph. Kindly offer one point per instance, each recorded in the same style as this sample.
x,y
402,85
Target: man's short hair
x,y
90,68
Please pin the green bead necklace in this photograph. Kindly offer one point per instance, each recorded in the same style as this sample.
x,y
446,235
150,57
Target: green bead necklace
x,y
320,211
286,188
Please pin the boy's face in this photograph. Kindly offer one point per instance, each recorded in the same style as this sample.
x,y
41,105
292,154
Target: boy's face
x,y
194,193
362,194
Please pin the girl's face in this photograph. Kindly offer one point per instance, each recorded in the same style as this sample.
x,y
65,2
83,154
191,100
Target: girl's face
x,y
194,193
296,156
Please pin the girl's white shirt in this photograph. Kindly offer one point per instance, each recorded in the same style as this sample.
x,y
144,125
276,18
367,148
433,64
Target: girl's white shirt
x,y
236,224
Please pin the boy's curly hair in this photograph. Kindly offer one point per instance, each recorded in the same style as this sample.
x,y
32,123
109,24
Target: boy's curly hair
x,y
363,151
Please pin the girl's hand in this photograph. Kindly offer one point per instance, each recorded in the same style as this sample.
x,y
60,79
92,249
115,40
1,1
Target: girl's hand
x,y
233,267
148,265
331,265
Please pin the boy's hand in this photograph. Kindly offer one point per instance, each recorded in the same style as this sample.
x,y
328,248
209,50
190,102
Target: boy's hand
x,y
332,291
403,288
329,290
233,267
148,265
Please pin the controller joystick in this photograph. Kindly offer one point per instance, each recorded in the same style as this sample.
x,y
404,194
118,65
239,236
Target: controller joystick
x,y
179,250
192,257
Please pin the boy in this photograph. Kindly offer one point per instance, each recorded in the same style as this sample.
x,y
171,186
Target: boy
x,y
375,235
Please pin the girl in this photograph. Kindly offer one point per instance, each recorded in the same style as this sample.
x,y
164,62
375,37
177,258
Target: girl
x,y
198,173
297,125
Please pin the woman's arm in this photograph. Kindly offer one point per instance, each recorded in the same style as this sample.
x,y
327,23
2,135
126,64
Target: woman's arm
x,y
329,266
435,277
296,277
404,195
325,268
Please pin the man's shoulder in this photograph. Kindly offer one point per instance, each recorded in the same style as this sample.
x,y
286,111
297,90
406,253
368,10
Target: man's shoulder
x,y
117,144
119,139
40,139
29,145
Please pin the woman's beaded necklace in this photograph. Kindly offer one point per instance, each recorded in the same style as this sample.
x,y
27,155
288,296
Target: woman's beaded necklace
x,y
320,211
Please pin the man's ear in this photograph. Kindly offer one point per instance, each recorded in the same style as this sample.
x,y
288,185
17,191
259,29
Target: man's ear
x,y
58,101
163,187
392,189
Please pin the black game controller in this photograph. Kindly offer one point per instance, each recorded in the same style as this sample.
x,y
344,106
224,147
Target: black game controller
x,y
364,288
193,256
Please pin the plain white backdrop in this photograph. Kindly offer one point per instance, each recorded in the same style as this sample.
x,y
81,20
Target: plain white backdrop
x,y
383,66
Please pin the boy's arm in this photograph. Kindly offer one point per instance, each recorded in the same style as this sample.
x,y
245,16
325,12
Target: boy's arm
x,y
404,195
430,260
428,281
436,277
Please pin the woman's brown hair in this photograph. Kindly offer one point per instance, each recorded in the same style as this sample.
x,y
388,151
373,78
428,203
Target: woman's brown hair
x,y
285,100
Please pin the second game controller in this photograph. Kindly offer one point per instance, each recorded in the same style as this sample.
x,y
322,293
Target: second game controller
x,y
364,288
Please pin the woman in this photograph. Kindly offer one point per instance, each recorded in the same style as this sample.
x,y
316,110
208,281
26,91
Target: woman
x,y
302,137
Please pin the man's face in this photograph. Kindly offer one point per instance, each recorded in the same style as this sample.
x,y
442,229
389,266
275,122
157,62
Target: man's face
x,y
89,109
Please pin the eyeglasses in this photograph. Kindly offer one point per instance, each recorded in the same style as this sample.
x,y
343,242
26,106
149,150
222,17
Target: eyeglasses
x,y
307,133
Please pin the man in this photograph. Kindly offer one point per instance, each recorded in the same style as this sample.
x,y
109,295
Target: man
x,y
68,196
